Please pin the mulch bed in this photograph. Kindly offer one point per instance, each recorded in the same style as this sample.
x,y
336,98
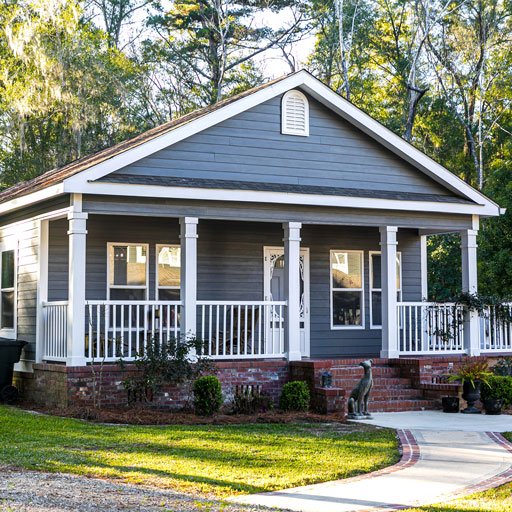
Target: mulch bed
x,y
140,415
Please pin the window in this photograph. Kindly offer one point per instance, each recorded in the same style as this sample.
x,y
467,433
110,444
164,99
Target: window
x,y
7,291
295,114
127,271
168,268
347,283
376,287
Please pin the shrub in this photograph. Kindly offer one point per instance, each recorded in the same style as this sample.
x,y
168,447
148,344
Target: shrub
x,y
503,367
295,396
207,395
165,362
250,400
498,387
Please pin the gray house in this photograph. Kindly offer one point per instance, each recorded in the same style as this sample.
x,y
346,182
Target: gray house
x,y
283,223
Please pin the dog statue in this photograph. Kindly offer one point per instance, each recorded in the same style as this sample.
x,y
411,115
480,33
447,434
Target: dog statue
x,y
358,401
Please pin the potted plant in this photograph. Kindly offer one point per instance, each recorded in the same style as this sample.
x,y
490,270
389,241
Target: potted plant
x,y
471,375
497,394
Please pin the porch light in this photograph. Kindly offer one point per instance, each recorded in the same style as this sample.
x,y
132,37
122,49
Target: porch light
x,y
326,380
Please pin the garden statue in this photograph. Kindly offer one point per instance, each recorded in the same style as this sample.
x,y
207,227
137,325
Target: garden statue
x,y
358,401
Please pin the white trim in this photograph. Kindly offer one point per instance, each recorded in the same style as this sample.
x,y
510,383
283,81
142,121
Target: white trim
x,y
361,290
290,131
188,275
320,92
127,287
157,286
424,267
34,197
12,245
42,286
255,196
388,246
372,289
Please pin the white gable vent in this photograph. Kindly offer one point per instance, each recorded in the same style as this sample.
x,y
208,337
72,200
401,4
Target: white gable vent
x,y
295,114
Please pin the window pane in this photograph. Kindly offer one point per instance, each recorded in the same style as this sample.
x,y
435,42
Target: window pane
x,y
7,310
376,271
167,294
376,308
127,294
128,265
169,266
346,308
346,268
8,269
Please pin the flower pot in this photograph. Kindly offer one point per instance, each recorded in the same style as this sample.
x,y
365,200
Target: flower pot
x,y
471,394
450,403
493,406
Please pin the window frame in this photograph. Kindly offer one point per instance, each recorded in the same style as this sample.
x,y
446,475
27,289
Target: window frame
x,y
284,129
10,332
127,287
157,286
372,289
361,290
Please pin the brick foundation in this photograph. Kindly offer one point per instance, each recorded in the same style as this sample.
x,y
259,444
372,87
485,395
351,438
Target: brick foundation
x,y
400,384
61,386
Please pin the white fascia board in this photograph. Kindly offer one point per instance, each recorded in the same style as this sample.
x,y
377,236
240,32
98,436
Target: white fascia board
x,y
34,197
391,141
255,196
187,130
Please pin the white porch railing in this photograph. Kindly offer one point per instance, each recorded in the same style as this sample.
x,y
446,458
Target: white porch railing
x,y
242,330
496,329
55,338
430,328
121,329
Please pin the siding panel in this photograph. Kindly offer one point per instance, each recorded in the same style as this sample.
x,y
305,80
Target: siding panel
x,y
250,147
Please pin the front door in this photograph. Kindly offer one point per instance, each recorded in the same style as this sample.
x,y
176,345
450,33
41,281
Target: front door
x,y
274,288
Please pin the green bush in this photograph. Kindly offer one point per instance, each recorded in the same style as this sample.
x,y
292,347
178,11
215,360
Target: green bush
x,y
207,395
295,396
499,387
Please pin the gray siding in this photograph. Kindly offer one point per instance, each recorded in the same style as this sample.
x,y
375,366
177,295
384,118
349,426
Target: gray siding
x,y
22,229
261,212
230,266
250,147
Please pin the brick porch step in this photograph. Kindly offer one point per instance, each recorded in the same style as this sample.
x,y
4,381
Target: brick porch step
x,y
404,405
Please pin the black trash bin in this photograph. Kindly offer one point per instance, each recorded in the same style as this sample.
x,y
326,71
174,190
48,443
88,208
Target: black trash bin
x,y
10,353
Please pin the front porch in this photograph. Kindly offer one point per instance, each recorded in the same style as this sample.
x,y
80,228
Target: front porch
x,y
327,291
254,329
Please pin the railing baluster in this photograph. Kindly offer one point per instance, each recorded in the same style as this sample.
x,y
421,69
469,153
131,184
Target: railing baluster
x,y
224,334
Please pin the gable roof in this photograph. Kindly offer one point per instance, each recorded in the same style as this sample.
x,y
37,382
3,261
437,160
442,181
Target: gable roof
x,y
86,175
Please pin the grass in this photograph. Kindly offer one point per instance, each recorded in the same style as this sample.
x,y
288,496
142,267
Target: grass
x,y
209,460
493,500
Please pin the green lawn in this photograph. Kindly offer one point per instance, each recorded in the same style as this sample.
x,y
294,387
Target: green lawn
x,y
494,500
210,460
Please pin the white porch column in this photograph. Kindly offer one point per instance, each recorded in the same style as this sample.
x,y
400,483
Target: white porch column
x,y
188,287
470,285
77,235
42,286
292,289
388,246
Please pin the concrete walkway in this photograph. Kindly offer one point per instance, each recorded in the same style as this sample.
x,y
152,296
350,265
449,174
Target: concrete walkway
x,y
441,461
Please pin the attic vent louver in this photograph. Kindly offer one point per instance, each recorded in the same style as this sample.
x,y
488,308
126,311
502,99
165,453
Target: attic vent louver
x,y
295,114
